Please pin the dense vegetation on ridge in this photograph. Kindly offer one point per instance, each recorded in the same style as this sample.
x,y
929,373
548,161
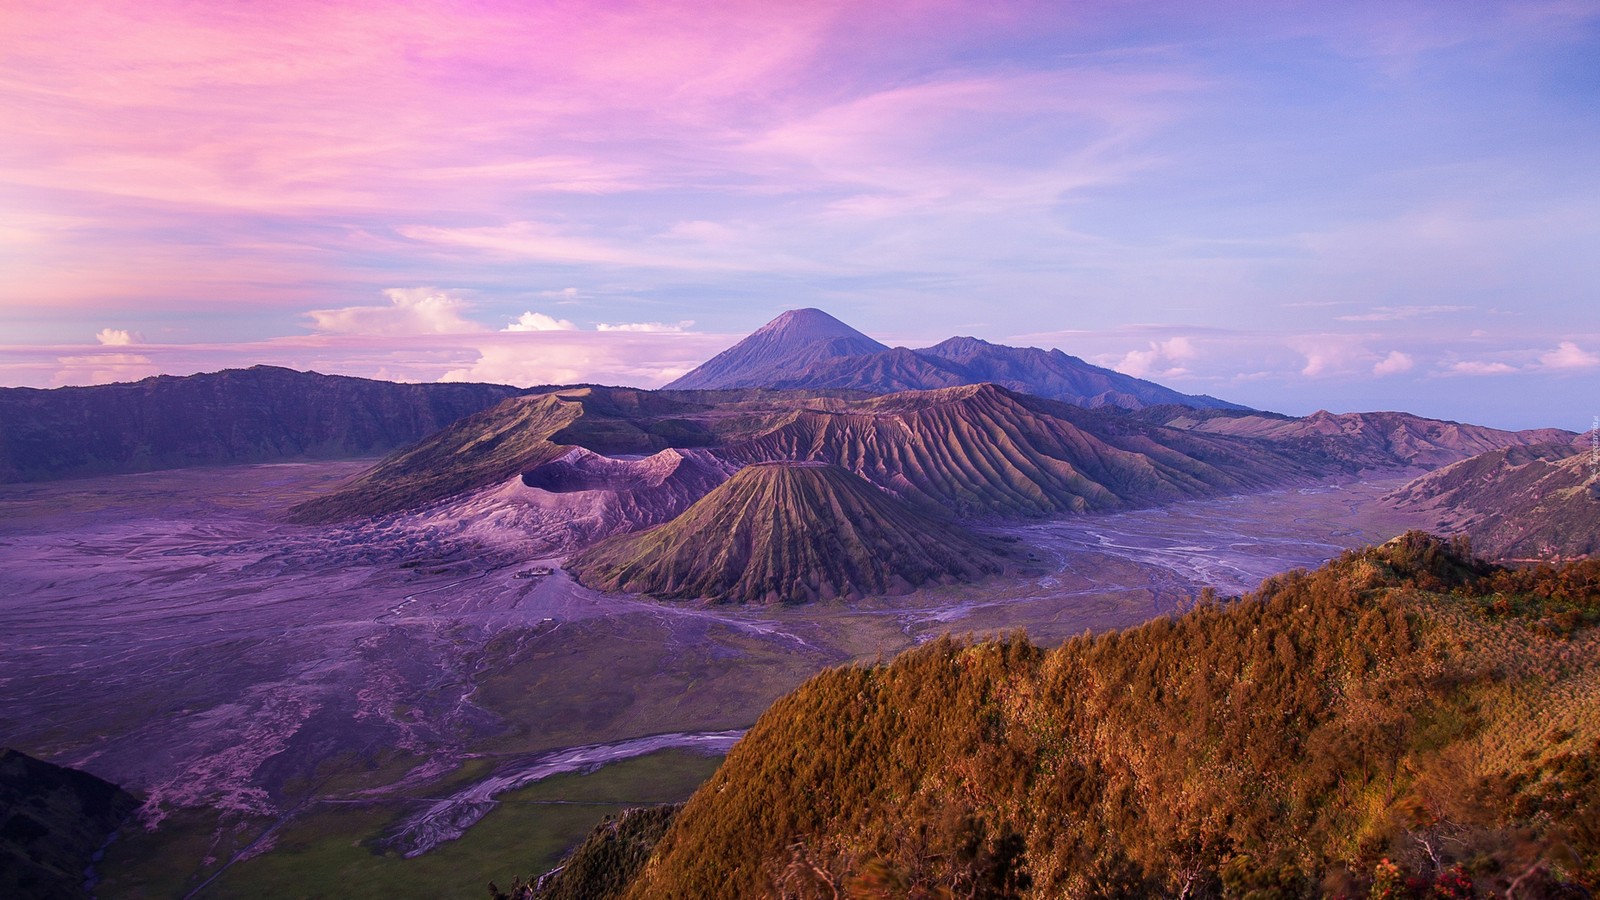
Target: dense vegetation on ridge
x,y
1405,721
604,864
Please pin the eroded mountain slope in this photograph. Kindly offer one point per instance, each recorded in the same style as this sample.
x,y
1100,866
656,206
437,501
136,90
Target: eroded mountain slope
x,y
789,532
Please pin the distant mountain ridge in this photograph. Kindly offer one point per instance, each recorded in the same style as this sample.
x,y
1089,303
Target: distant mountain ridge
x,y
808,349
794,340
259,414
1362,440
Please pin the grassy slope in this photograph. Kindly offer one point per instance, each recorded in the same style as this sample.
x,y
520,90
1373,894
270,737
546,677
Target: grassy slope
x,y
335,851
788,533
1520,502
1392,703
480,450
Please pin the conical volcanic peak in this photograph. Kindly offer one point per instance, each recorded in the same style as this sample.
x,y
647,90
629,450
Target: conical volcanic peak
x,y
807,349
788,532
800,326
795,340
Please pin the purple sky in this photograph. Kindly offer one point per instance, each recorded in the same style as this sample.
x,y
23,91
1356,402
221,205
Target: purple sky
x,y
1295,206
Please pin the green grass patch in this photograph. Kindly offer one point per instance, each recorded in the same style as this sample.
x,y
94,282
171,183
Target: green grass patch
x,y
332,851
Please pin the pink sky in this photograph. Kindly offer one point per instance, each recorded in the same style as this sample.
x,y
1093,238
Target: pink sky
x,y
1292,205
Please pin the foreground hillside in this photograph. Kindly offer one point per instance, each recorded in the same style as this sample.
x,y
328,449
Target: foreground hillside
x,y
1399,722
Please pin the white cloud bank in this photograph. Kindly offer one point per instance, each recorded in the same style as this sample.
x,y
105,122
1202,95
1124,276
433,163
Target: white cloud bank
x,y
1479,367
411,311
115,337
1568,355
534,321
1163,359
1394,364
639,358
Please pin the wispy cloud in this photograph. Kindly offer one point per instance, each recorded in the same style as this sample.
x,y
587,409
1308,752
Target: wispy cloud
x,y
641,359
1479,367
1032,166
568,357
647,327
1401,313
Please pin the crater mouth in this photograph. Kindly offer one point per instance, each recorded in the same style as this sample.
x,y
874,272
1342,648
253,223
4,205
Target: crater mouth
x,y
585,470
562,477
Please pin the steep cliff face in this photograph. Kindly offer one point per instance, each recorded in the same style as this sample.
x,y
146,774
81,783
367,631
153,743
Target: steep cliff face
x,y
974,450
597,496
234,416
522,434
786,533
